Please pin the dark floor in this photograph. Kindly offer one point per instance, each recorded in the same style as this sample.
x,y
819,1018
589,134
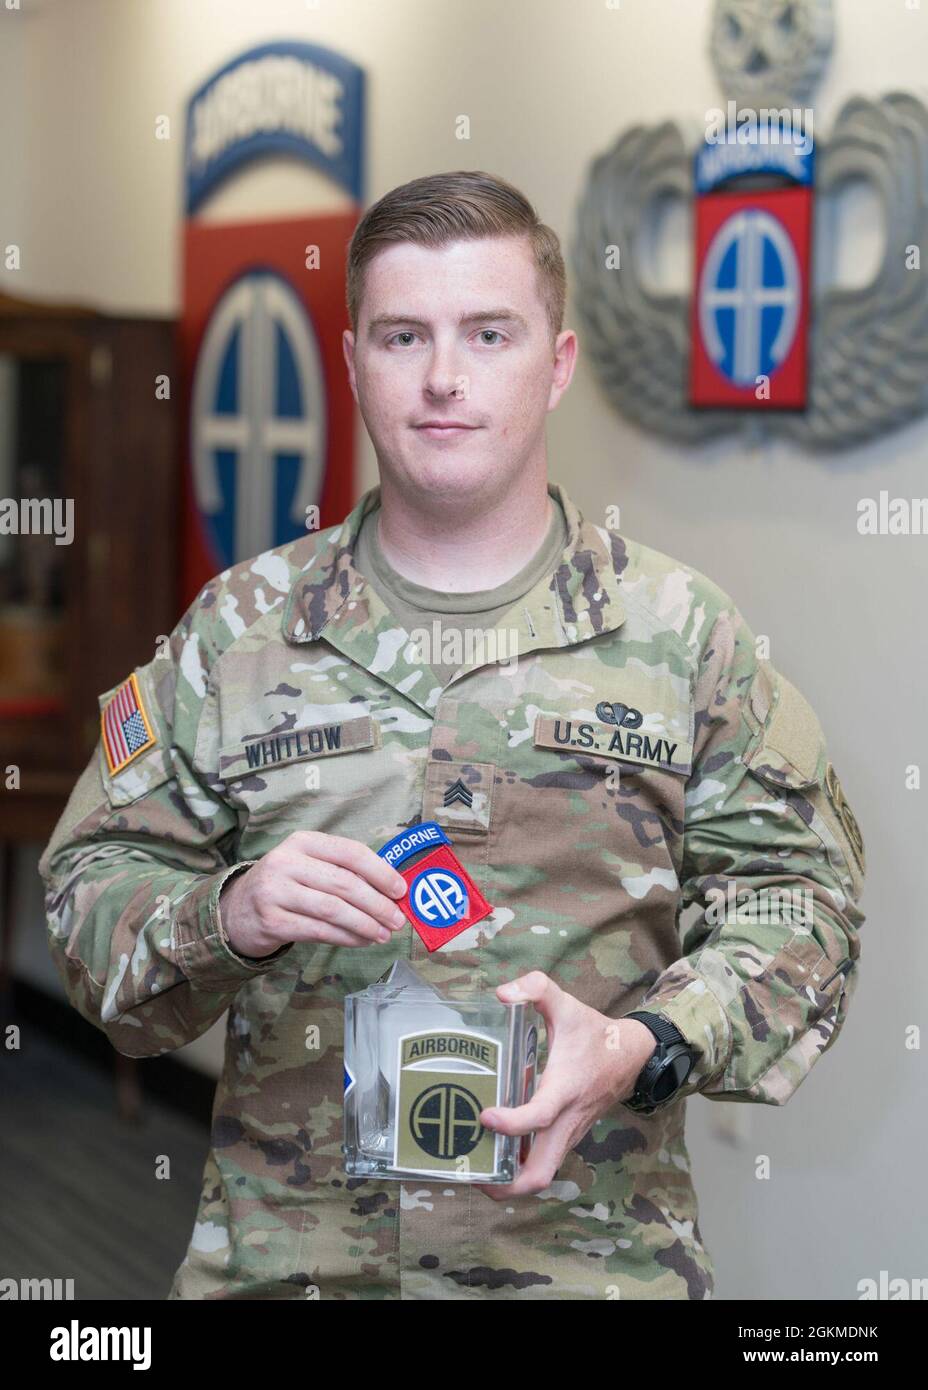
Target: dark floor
x,y
80,1198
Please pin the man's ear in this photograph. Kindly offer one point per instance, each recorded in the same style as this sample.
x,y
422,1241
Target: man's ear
x,y
348,351
565,360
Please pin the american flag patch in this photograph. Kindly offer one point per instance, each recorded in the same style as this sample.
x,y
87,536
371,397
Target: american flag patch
x,y
125,727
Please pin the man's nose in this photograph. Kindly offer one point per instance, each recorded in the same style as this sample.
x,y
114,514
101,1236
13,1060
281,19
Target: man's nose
x,y
444,371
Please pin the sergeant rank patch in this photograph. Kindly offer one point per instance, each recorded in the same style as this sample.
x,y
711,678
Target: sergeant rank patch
x,y
125,727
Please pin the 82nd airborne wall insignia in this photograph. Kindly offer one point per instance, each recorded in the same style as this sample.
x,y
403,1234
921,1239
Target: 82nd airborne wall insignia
x,y
774,344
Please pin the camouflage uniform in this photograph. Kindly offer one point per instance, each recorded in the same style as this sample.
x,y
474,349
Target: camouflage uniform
x,y
589,837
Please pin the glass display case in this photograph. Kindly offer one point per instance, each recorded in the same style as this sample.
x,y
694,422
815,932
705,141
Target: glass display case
x,y
420,1067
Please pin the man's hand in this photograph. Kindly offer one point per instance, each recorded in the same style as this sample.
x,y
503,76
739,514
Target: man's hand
x,y
593,1063
312,887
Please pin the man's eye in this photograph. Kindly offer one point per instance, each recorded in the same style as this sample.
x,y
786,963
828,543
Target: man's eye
x,y
492,331
403,333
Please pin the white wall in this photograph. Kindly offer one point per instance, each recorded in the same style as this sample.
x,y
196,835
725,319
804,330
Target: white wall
x,y
95,201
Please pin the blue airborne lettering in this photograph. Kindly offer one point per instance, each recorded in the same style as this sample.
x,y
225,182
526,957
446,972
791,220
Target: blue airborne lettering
x,y
327,738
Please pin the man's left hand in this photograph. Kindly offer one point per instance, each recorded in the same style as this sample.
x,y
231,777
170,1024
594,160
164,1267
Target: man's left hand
x,y
593,1064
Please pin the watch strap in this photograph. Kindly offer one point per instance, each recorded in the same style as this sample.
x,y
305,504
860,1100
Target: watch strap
x,y
662,1028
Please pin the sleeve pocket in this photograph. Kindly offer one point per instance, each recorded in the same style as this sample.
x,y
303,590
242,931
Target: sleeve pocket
x,y
790,746
789,754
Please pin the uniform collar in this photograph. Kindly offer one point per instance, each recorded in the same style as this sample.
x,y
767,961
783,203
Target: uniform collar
x,y
332,600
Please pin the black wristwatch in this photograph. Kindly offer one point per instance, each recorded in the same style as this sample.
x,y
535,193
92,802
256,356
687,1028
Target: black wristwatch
x,y
665,1070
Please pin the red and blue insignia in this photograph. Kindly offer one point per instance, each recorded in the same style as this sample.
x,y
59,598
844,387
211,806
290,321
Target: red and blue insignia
x,y
441,898
125,727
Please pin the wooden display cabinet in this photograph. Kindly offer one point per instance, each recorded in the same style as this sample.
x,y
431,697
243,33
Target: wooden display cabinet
x,y
80,421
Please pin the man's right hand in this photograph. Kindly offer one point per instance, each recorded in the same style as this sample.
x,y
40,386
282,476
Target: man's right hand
x,y
312,887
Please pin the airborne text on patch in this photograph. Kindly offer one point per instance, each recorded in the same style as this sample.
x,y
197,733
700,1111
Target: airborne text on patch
x,y
452,1046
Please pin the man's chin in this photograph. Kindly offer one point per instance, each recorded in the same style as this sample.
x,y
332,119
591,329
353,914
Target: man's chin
x,y
451,476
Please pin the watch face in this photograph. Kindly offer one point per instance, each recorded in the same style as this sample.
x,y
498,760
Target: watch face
x,y
672,1076
639,1103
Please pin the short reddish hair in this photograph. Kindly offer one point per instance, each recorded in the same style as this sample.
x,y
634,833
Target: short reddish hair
x,y
465,205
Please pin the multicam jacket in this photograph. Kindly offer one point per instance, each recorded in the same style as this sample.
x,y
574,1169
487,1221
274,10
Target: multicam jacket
x,y
634,758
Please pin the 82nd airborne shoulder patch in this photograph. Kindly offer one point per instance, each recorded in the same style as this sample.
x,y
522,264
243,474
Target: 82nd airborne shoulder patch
x,y
125,727
845,815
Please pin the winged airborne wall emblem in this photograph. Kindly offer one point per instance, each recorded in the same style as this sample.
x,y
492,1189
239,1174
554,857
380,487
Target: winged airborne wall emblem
x,y
764,330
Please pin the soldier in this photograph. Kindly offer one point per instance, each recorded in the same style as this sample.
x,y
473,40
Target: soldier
x,y
625,755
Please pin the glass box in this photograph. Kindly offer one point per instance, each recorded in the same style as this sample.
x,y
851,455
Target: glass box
x,y
419,1069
